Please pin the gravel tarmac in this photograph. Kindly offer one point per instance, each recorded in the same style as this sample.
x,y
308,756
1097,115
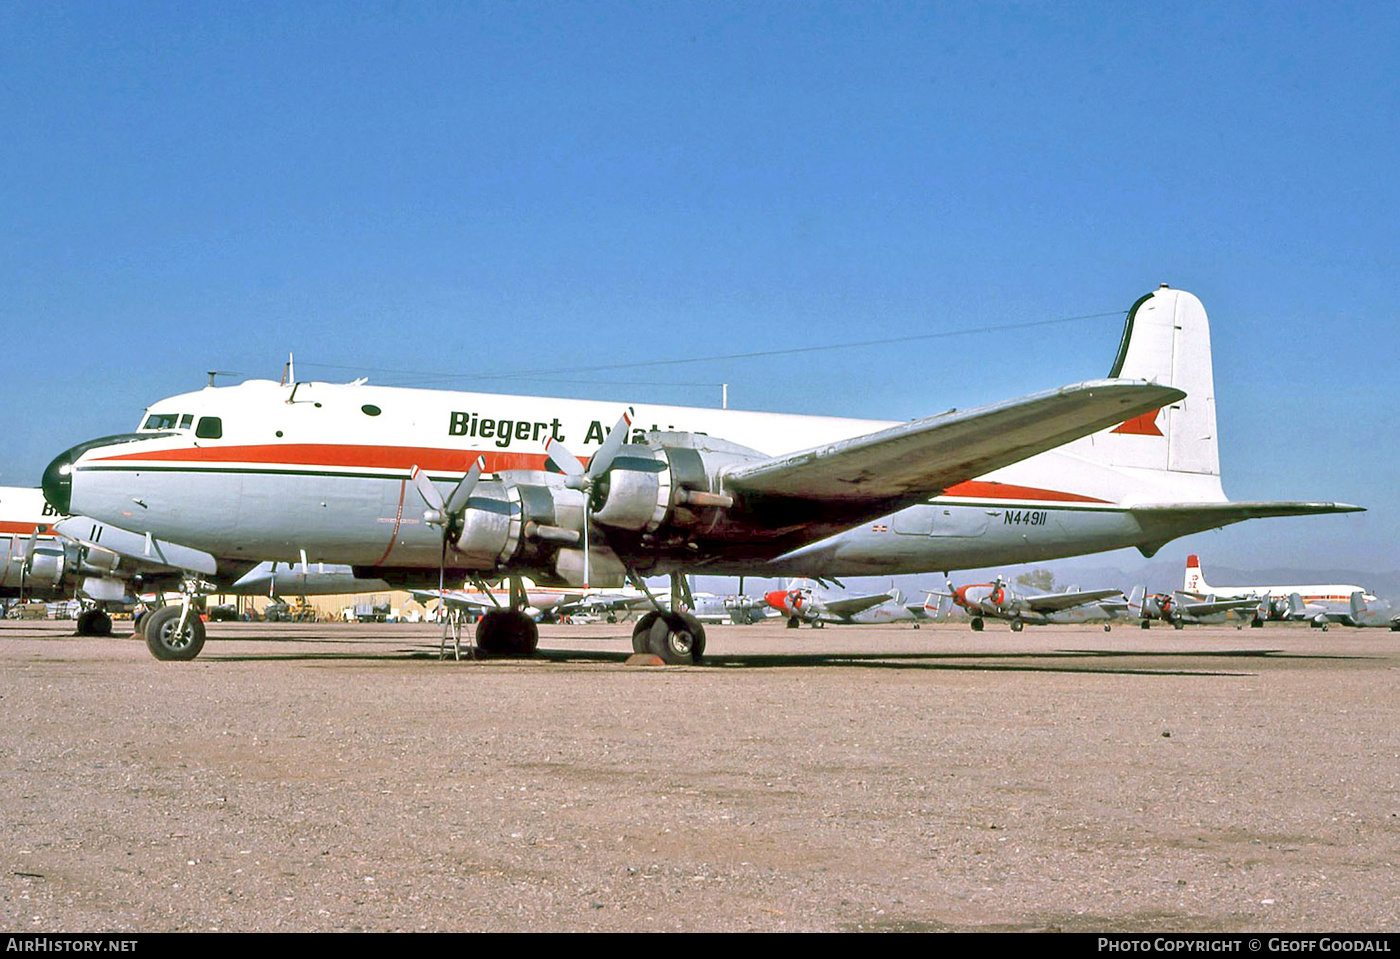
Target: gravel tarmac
x,y
337,777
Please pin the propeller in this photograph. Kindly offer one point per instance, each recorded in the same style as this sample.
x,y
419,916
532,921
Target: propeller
x,y
585,479
446,513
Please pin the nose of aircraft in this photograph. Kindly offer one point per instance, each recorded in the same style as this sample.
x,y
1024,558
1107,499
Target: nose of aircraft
x,y
58,475
58,482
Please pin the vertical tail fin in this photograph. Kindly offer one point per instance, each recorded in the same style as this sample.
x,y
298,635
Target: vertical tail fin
x,y
1195,581
1135,599
1166,340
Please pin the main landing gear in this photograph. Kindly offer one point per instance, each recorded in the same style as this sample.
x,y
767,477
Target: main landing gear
x,y
94,622
677,637
506,632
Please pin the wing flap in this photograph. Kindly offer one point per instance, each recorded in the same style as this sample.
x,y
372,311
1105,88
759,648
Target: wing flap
x,y
926,456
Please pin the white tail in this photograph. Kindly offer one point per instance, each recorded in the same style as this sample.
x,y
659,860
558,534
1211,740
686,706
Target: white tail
x,y
1195,581
1166,340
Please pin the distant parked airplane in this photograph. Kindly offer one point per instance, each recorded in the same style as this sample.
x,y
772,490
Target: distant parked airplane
x,y
1331,593
799,603
1360,610
999,600
1182,608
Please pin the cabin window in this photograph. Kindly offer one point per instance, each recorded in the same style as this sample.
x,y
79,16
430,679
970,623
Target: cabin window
x,y
369,409
209,428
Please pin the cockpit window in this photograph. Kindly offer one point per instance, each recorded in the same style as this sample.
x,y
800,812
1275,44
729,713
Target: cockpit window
x,y
209,428
161,421
186,421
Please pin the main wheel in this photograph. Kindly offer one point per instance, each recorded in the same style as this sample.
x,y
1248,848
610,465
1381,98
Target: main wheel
x,y
165,640
793,622
977,624
507,632
1107,628
642,630
678,638
94,622
1017,625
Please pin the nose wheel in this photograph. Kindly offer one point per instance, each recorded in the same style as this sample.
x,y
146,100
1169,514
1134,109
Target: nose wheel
x,y
167,639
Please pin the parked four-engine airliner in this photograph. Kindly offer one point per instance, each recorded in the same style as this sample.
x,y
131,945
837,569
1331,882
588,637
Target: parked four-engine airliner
x,y
340,474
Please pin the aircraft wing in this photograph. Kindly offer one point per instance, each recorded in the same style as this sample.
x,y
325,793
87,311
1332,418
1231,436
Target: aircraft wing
x,y
135,551
603,602
853,605
1054,602
911,461
454,597
1217,606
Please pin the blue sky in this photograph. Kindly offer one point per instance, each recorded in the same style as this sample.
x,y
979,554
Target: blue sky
x,y
454,189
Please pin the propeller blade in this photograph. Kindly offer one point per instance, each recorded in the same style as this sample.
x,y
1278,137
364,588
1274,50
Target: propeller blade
x,y
29,548
427,490
458,500
566,461
617,436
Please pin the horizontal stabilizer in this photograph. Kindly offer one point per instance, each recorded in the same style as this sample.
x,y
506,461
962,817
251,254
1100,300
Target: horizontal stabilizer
x,y
914,460
1164,522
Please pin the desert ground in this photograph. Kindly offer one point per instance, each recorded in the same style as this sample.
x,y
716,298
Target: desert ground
x,y
341,777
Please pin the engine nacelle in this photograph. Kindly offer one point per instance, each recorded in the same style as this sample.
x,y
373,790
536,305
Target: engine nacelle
x,y
669,481
520,516
48,567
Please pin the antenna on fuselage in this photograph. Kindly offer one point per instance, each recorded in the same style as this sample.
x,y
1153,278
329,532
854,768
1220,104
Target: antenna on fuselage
x,y
289,371
213,373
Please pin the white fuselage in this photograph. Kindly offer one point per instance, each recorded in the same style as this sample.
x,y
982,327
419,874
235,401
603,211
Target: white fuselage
x,y
1334,594
324,468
